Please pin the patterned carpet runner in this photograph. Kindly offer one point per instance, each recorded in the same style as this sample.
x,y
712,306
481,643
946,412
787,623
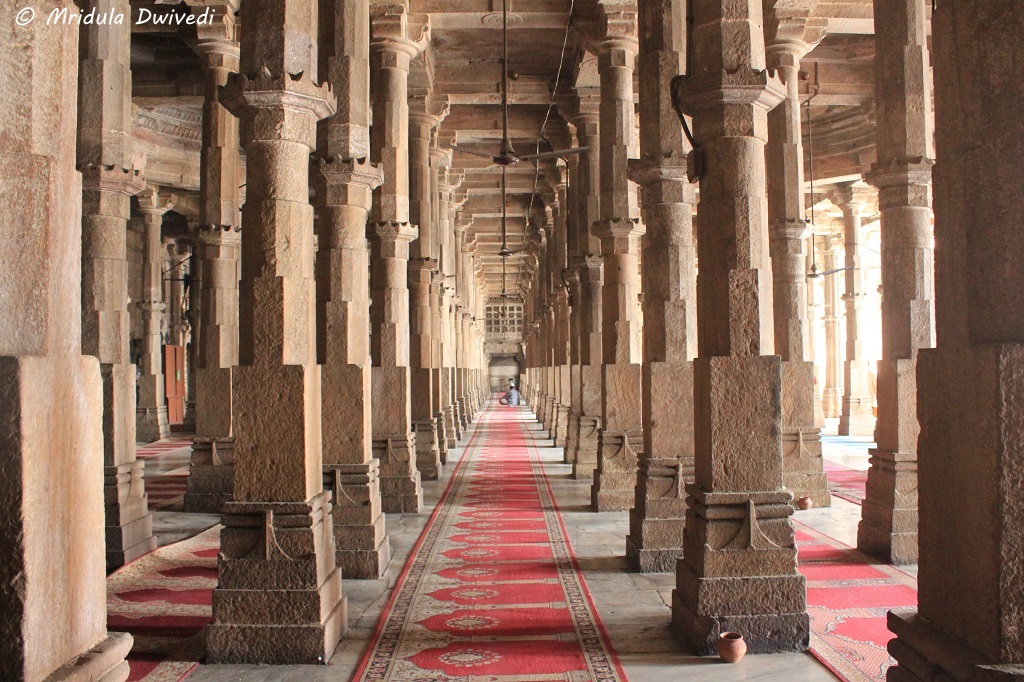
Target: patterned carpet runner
x,y
492,590
166,471
164,600
848,597
845,482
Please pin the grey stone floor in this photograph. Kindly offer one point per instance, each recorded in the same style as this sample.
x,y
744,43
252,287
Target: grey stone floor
x,y
634,607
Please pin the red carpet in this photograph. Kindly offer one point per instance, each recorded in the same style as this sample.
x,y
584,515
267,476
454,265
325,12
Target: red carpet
x,y
161,447
164,600
845,482
166,472
847,599
167,492
492,590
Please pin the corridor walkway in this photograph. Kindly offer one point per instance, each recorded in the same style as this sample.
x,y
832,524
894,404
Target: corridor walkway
x,y
508,575
633,608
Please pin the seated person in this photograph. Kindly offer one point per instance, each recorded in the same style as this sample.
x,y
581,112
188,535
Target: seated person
x,y
511,397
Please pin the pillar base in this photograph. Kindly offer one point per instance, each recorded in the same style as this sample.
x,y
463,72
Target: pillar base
x,y
211,476
773,633
151,424
739,573
561,434
400,482
105,662
362,546
279,597
451,428
832,399
923,654
129,523
464,420
585,458
651,560
188,422
428,454
857,419
572,438
889,517
441,431
614,487
803,469
657,522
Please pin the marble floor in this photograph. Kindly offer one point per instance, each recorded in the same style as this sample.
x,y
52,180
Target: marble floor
x,y
634,607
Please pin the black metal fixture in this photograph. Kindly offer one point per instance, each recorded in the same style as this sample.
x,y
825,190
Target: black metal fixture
x,y
507,155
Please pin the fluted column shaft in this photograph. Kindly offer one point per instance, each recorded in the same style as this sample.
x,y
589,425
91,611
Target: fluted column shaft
x,y
902,174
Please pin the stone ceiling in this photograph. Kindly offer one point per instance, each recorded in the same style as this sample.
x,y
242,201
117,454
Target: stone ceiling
x,y
464,65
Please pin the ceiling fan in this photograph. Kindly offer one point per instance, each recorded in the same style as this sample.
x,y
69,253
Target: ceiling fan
x,y
507,155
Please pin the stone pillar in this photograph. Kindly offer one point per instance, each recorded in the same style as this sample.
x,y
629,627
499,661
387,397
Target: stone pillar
x,y
657,518
621,435
392,47
971,605
109,180
345,184
277,547
812,311
888,527
439,158
590,272
151,411
448,185
192,315
833,393
857,418
789,36
572,277
466,374
176,268
218,251
556,180
424,115
738,571
53,604
462,295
